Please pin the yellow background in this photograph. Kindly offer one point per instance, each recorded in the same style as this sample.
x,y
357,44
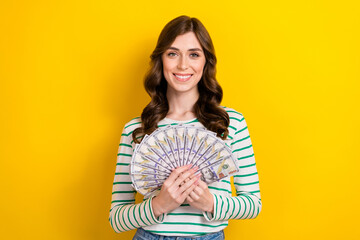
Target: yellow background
x,y
71,76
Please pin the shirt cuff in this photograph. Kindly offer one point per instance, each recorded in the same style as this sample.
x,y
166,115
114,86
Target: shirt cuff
x,y
208,215
162,216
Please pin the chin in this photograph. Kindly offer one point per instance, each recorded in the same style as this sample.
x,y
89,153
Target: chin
x,y
182,89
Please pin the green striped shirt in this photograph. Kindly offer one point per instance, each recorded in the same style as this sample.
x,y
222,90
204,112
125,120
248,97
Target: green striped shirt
x,y
186,220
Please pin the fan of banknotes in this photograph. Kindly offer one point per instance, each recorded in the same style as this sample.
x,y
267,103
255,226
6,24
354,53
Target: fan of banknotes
x,y
177,145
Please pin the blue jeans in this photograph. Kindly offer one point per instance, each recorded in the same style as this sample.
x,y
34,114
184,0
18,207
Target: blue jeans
x,y
142,234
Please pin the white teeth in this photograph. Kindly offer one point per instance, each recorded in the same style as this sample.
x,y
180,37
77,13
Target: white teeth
x,y
183,77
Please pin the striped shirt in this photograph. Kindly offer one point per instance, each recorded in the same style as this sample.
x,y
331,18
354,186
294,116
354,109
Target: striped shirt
x,y
186,220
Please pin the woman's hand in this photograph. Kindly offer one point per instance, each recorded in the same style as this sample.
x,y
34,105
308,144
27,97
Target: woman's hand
x,y
174,191
201,198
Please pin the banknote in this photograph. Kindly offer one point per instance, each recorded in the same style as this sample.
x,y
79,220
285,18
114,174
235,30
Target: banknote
x,y
218,170
169,147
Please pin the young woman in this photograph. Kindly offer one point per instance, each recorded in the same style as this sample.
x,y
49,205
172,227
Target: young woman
x,y
183,89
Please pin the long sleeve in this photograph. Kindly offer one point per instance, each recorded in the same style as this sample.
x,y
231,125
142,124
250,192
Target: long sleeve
x,y
247,204
124,213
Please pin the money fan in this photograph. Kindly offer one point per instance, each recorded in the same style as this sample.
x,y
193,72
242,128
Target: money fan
x,y
178,145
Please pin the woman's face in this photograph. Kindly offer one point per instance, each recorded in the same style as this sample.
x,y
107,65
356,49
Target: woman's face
x,y
183,64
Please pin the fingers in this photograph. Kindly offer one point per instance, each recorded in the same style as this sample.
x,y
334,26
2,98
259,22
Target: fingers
x,y
189,184
181,183
182,177
194,196
175,174
202,184
198,191
188,191
187,188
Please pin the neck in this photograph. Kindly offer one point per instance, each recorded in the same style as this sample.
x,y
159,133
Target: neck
x,y
181,105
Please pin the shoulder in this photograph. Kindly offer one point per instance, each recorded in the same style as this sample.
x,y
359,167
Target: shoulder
x,y
131,125
233,113
237,120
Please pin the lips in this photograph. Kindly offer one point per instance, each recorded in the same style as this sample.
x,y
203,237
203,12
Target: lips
x,y
182,77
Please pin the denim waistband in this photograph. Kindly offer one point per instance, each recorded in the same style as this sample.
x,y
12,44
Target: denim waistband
x,y
142,234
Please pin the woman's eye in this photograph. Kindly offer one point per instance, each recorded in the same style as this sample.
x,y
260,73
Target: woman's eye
x,y
194,55
171,54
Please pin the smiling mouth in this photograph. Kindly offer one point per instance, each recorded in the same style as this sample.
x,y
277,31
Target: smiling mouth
x,y
182,78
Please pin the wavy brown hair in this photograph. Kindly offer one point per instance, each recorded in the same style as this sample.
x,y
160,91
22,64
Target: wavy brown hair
x,y
207,108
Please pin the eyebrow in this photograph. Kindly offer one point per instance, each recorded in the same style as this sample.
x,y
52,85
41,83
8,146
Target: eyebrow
x,y
191,49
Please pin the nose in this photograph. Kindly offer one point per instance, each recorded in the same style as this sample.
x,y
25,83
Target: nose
x,y
183,63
